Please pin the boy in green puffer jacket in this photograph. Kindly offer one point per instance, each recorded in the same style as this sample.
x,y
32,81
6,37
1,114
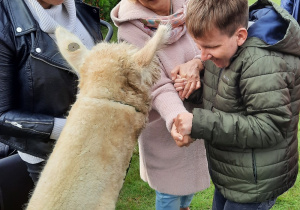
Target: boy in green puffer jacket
x,y
251,100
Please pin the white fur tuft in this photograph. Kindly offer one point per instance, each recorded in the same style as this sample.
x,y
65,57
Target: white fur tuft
x,y
164,33
144,56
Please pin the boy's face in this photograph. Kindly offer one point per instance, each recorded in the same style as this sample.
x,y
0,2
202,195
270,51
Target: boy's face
x,y
219,47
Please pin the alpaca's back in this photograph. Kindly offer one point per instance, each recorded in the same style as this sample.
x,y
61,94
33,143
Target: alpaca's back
x,y
89,161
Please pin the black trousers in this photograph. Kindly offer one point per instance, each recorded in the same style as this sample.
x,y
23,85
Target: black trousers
x,y
15,183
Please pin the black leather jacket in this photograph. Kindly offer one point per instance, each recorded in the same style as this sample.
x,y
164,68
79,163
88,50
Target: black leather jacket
x,y
36,83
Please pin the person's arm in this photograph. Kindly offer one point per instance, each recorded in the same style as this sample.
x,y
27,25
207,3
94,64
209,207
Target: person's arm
x,y
13,121
165,98
268,107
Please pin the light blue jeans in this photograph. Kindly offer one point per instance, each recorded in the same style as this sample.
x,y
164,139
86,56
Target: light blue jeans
x,y
172,202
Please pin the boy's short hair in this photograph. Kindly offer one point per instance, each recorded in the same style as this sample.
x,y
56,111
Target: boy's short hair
x,y
225,15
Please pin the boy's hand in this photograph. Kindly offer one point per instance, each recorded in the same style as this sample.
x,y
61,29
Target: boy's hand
x,y
180,140
189,71
183,123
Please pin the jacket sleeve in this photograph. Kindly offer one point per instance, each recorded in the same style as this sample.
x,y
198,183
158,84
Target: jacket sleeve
x,y
13,121
267,100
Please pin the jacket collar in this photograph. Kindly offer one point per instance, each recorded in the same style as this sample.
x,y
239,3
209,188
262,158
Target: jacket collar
x,y
43,47
23,21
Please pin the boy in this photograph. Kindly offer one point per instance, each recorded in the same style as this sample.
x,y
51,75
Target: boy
x,y
251,100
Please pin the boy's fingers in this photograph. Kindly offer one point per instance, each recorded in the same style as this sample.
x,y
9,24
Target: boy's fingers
x,y
179,80
198,85
192,89
174,72
180,95
186,88
178,89
176,136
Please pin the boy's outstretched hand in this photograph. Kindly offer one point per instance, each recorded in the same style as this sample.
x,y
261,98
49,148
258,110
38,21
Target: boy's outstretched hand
x,y
187,77
181,129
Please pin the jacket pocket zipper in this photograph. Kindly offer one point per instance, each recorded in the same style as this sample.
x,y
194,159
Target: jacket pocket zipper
x,y
14,124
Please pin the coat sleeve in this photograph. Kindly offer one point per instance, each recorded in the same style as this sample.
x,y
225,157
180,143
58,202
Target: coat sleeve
x,y
267,100
13,121
165,99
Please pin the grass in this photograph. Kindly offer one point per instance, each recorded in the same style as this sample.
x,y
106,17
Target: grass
x,y
252,1
137,195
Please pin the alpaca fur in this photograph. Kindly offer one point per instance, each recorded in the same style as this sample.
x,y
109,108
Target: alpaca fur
x,y
88,164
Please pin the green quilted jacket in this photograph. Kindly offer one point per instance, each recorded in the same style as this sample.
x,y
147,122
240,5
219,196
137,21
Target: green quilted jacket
x,y
250,114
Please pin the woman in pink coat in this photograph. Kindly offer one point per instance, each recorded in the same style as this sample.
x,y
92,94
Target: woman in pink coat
x,y
174,173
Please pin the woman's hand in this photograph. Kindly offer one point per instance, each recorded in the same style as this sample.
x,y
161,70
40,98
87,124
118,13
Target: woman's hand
x,y
187,77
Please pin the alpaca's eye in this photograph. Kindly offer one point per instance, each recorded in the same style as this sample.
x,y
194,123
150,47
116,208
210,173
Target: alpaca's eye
x,y
73,46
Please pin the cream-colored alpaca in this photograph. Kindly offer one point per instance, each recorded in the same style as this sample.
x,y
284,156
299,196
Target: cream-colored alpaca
x,y
89,161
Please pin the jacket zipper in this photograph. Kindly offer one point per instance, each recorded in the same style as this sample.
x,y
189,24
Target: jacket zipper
x,y
33,41
254,166
14,124
18,125
28,122
55,65
213,104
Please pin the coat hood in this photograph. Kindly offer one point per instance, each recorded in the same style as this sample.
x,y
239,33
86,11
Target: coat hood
x,y
293,7
274,28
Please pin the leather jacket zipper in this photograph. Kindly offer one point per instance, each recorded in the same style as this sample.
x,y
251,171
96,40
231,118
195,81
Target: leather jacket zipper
x,y
19,125
14,124
54,65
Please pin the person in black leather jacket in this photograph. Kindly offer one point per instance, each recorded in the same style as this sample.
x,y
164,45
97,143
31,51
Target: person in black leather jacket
x,y
37,86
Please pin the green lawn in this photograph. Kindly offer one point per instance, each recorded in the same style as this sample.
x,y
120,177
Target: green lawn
x,y
252,1
137,195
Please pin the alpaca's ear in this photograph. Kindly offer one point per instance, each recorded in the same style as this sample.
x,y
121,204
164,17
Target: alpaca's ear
x,y
71,48
145,56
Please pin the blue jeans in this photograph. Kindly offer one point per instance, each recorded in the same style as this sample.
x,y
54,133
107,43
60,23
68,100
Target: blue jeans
x,y
221,203
172,202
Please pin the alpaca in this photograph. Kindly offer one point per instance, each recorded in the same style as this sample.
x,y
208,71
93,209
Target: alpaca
x,y
88,164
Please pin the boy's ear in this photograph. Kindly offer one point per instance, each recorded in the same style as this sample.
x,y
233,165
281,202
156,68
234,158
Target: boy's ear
x,y
242,35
